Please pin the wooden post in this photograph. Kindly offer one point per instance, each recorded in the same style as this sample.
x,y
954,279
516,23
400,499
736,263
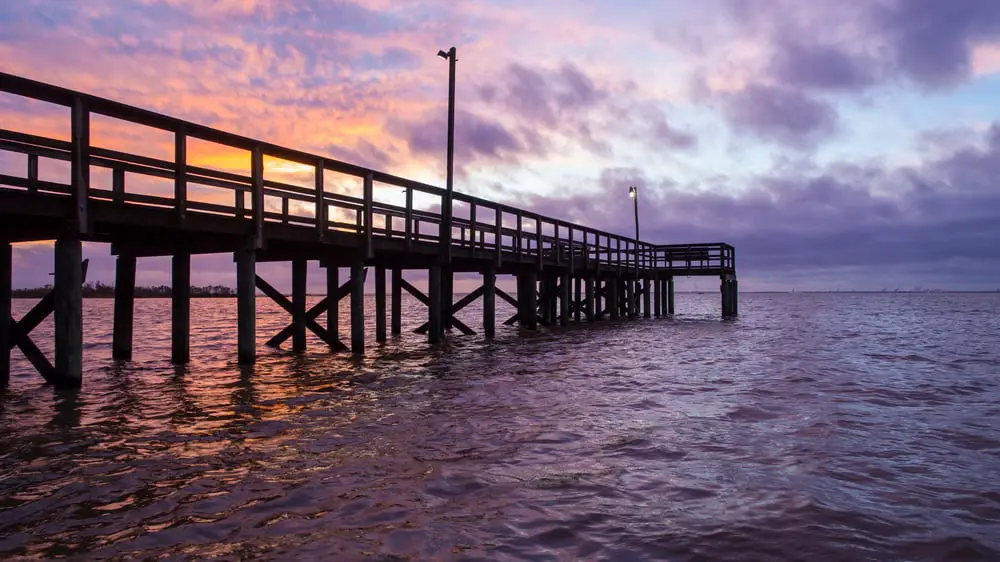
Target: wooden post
x,y
447,296
591,297
577,298
614,305
299,269
564,296
629,298
358,307
320,205
257,193
434,307
657,288
736,298
33,173
246,305
397,301
369,221
333,312
180,172
489,302
69,310
529,313
180,308
598,308
380,304
670,295
6,270
121,346
647,297
80,164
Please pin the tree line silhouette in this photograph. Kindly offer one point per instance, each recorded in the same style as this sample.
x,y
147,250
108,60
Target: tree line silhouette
x,y
103,290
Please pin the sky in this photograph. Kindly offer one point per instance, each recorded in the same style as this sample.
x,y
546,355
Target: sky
x,y
838,145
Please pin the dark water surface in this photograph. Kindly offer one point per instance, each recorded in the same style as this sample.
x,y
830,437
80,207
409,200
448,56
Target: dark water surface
x,y
814,427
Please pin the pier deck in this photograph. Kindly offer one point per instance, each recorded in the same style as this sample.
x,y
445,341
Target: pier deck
x,y
565,271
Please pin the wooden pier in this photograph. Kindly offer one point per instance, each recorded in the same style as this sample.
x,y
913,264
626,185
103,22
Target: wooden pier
x,y
565,272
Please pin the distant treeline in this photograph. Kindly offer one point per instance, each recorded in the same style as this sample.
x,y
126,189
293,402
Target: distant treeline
x,y
101,290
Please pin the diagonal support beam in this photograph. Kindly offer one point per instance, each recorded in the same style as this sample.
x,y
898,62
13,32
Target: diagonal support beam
x,y
464,302
503,294
415,292
286,304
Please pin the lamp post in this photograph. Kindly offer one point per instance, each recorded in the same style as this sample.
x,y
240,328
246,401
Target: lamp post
x,y
633,193
451,56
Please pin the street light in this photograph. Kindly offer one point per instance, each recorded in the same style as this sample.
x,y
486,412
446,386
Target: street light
x,y
633,193
451,56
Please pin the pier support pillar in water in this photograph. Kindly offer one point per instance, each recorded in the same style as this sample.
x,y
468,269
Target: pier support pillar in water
x,y
670,295
564,296
358,308
614,305
527,299
630,298
657,287
435,310
6,269
489,303
380,295
397,302
728,296
333,312
180,308
736,297
68,305
121,346
591,295
299,268
246,306
578,298
647,285
447,296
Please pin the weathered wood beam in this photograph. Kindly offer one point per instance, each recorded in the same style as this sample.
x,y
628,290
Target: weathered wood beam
x,y
246,305
358,308
121,346
380,304
397,302
6,321
68,312
299,272
180,308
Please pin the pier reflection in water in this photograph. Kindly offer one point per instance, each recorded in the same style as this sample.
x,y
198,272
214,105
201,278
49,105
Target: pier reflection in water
x,y
814,426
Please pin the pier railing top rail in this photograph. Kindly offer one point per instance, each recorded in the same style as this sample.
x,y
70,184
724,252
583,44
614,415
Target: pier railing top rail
x,y
547,236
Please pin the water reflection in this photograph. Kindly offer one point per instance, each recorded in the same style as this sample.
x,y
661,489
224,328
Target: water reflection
x,y
804,429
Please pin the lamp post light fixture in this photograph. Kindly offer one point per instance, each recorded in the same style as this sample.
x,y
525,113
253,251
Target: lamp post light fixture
x,y
633,193
451,55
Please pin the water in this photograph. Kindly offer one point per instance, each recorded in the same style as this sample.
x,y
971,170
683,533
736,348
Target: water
x,y
814,427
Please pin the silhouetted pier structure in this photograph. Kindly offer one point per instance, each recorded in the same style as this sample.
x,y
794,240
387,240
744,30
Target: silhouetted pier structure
x,y
565,272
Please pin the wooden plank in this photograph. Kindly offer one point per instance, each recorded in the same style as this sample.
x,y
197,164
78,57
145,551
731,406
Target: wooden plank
x,y
467,300
415,292
121,346
505,296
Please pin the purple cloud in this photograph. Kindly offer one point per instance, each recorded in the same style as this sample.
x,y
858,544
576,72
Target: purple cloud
x,y
781,114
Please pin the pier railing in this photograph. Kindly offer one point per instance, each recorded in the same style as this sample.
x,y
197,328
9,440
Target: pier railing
x,y
489,227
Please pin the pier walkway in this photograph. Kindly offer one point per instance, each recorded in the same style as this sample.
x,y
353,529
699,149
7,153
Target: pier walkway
x,y
565,272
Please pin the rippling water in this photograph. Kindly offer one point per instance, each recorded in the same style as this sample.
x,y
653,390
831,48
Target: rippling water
x,y
814,427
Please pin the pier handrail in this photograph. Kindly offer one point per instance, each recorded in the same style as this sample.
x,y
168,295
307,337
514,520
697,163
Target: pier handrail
x,y
490,227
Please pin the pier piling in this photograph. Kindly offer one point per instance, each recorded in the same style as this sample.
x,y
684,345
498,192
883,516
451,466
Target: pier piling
x,y
6,270
68,309
180,308
380,304
397,302
121,345
246,306
358,308
299,272
489,303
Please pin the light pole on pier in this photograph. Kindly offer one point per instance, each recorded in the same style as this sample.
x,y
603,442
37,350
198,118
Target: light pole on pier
x,y
451,56
633,193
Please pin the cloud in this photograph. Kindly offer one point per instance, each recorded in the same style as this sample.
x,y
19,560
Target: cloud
x,y
781,114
